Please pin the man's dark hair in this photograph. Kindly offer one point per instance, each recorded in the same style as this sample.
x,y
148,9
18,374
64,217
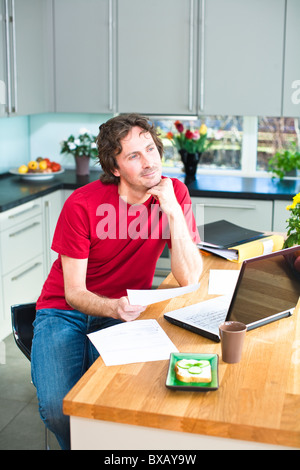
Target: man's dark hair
x,y
109,141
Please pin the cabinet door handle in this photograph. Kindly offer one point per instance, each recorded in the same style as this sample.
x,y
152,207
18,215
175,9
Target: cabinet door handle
x,y
202,62
23,273
7,57
18,232
13,22
191,53
13,216
110,55
230,206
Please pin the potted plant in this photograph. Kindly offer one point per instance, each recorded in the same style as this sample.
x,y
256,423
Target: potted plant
x,y
82,148
293,227
285,162
293,235
190,143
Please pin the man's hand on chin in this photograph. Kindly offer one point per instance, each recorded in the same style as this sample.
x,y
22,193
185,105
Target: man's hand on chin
x,y
164,192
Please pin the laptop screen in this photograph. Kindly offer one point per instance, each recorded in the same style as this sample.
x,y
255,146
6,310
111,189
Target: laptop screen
x,y
266,287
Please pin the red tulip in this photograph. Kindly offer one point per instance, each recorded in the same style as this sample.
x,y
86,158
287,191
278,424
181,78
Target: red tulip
x,y
189,134
179,126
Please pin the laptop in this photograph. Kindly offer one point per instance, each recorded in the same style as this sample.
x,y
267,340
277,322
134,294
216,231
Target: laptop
x,y
267,289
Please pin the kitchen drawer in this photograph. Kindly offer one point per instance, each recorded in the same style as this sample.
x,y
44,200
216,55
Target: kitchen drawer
x,y
66,194
250,213
20,214
4,328
281,215
21,243
23,284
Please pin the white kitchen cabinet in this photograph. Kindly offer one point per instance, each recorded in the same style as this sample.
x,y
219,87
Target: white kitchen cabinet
x,y
3,323
20,214
26,56
26,233
281,215
157,56
65,194
21,286
176,57
3,76
21,243
250,213
84,56
51,205
205,57
291,90
22,258
241,57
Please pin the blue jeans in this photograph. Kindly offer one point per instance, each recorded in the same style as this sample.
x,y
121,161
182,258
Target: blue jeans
x,y
61,353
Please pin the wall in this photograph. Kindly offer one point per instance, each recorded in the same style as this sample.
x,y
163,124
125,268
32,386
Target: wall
x,y
14,142
25,138
48,130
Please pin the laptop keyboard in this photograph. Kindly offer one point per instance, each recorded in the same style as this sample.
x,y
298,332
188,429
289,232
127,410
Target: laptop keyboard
x,y
209,319
206,315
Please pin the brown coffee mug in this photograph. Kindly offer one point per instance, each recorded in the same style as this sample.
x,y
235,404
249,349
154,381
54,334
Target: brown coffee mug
x,y
232,334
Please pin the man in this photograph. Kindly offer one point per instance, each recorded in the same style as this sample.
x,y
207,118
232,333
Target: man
x,y
109,236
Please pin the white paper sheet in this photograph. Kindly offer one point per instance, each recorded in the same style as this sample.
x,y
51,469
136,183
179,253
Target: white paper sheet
x,y
130,342
149,296
222,281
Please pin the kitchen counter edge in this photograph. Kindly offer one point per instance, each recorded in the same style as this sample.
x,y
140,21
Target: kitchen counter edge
x,y
14,191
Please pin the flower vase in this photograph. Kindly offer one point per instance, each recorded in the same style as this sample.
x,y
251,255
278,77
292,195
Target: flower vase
x,y
190,162
82,165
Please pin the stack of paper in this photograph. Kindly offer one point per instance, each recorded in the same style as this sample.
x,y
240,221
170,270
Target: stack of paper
x,y
130,342
236,243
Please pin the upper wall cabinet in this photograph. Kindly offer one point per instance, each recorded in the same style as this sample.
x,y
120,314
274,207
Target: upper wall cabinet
x,y
237,59
25,56
241,57
177,57
3,75
291,86
84,54
157,56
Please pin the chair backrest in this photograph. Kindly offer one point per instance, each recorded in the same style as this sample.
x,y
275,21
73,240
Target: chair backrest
x,y
22,317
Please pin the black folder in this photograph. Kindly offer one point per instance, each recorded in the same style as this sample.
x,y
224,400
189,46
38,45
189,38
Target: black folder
x,y
224,234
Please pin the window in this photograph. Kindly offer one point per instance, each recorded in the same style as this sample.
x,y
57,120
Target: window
x,y
275,134
242,144
225,153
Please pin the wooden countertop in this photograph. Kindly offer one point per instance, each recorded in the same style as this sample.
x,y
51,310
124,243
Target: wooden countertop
x,y
257,400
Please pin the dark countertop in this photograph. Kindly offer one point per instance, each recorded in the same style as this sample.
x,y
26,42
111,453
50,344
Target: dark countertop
x,y
243,187
15,191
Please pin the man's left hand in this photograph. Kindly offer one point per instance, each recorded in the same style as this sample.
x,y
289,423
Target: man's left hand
x,y
164,192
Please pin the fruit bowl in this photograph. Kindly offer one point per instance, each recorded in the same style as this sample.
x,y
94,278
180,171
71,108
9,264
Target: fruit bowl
x,y
35,176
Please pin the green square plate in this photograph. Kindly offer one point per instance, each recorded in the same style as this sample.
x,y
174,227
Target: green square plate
x,y
175,384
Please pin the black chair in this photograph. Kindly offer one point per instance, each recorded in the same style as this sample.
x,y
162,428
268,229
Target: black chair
x,y
22,317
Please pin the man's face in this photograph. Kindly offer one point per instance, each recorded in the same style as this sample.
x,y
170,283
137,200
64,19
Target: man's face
x,y
139,163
